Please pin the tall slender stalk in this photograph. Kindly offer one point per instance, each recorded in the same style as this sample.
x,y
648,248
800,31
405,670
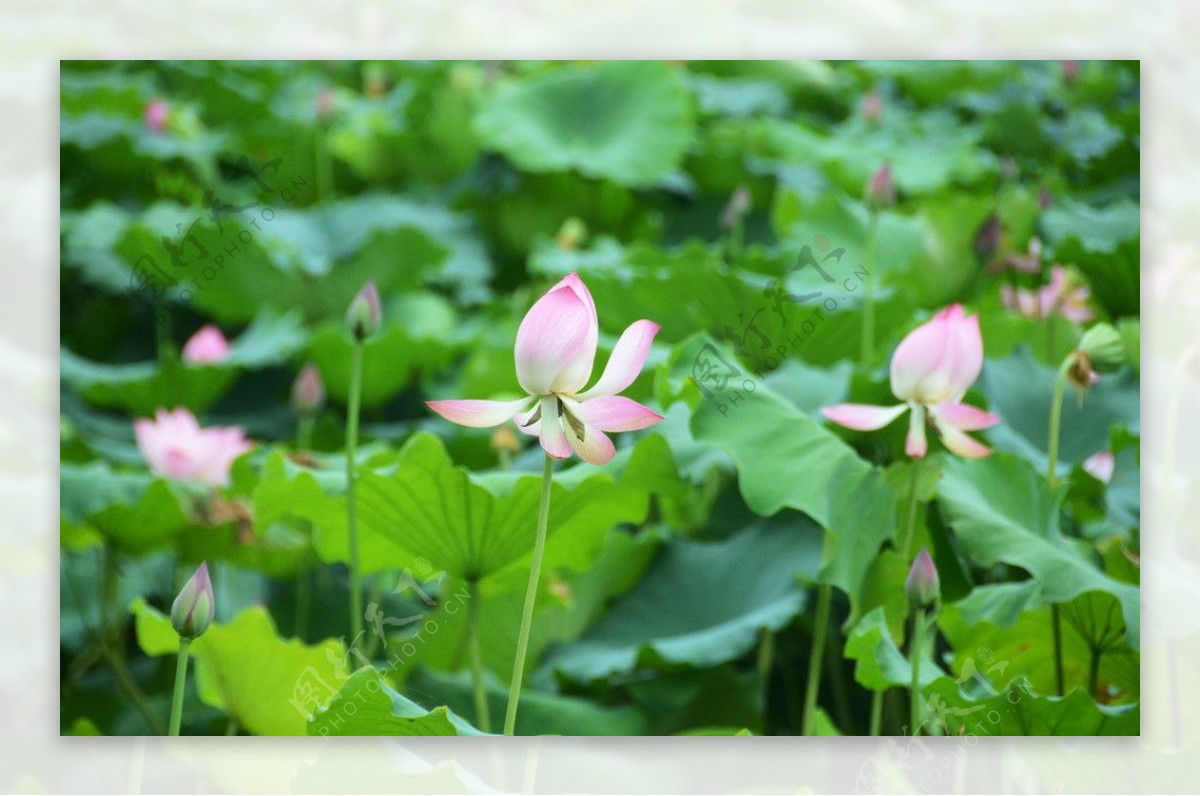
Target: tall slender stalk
x,y
876,712
304,433
483,716
356,611
868,319
1056,403
915,652
910,525
535,574
180,686
816,657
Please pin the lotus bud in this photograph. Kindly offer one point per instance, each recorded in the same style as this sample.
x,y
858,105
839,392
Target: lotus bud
x,y
881,190
737,207
504,440
922,585
308,391
1104,348
194,608
571,234
872,106
206,347
364,314
155,116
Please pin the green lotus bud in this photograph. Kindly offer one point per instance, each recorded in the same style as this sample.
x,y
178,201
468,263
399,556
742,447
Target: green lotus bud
x,y
922,585
1104,348
194,608
364,314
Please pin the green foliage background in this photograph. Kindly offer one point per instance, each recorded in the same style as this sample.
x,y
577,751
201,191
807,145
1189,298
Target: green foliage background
x,y
677,595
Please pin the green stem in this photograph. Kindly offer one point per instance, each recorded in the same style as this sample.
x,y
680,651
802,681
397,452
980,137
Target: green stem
x,y
1094,672
876,712
356,612
180,686
303,601
766,660
1060,388
1056,403
1056,631
915,651
910,526
868,319
483,716
304,433
535,574
816,657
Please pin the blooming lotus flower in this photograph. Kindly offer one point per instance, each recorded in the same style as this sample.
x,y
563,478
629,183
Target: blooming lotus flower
x,y
175,447
932,369
1055,296
555,349
206,346
194,608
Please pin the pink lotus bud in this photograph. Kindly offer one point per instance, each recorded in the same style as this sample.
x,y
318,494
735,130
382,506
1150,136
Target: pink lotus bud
x,y
939,360
922,585
194,608
325,102
872,106
881,190
206,346
987,240
155,115
737,207
1101,466
364,314
1070,71
308,391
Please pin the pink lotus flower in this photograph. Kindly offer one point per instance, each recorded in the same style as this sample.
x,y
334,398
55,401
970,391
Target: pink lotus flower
x,y
206,346
1056,296
555,349
931,371
155,115
175,447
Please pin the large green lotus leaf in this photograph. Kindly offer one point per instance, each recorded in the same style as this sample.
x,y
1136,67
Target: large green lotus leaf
x,y
424,507
541,713
785,458
1003,511
1096,229
700,604
367,706
269,685
693,699
1020,390
140,388
134,511
1025,649
626,121
936,151
1019,710
879,662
